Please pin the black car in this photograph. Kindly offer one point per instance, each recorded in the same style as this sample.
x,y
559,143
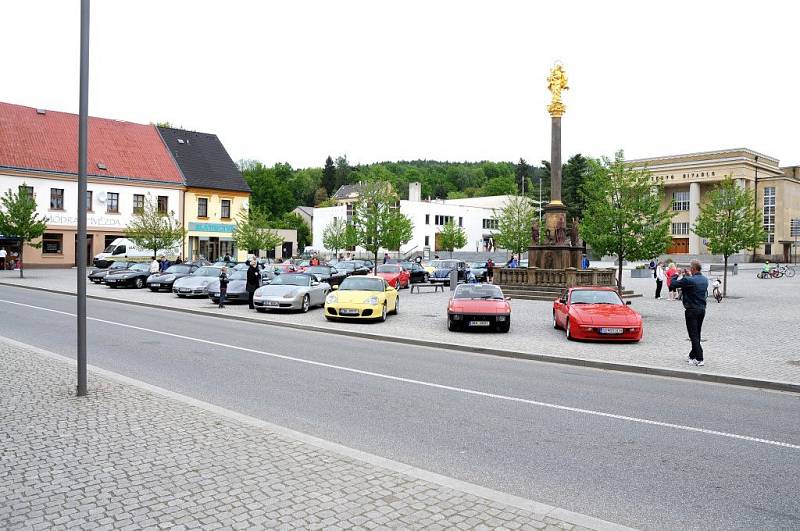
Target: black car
x,y
165,279
353,267
479,271
443,268
98,276
328,274
417,272
133,277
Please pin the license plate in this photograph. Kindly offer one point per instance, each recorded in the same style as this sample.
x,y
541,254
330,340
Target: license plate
x,y
271,303
110,281
155,285
611,330
185,290
215,294
348,311
479,323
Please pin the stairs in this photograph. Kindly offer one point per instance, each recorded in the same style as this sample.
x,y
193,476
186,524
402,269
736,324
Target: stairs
x,y
544,293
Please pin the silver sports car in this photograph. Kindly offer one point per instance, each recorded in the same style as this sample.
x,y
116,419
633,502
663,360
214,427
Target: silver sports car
x,y
291,291
237,286
196,284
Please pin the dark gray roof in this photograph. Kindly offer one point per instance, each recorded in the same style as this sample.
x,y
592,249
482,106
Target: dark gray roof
x,y
307,210
203,160
346,191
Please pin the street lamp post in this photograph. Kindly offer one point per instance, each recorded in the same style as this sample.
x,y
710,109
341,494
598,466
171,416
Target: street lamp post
x,y
83,118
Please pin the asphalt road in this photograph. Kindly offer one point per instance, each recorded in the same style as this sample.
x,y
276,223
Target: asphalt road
x,y
648,452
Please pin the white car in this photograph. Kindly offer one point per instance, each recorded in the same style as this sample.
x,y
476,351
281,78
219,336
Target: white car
x,y
291,291
196,284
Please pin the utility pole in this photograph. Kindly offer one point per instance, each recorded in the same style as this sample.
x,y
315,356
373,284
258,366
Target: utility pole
x,y
83,119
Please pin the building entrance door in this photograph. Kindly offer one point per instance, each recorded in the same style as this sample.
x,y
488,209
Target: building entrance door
x,y
679,246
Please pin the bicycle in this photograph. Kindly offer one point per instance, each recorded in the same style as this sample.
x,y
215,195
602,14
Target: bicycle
x,y
786,270
717,292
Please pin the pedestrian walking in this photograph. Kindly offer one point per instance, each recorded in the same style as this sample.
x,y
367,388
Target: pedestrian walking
x,y
670,274
585,262
660,278
385,257
253,281
694,289
490,271
155,266
223,286
3,255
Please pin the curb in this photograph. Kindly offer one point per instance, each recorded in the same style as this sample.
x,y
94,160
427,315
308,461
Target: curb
x,y
511,500
774,385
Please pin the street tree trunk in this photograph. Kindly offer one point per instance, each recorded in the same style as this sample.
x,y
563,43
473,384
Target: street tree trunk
x,y
619,275
21,261
725,278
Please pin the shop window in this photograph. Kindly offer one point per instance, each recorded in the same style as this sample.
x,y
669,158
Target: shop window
x,y
53,243
163,204
56,199
202,207
138,203
225,209
112,202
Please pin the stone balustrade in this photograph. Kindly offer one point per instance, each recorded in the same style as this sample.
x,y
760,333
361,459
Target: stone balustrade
x,y
569,277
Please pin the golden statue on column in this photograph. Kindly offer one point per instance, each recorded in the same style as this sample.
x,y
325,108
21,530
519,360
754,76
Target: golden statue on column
x,y
556,82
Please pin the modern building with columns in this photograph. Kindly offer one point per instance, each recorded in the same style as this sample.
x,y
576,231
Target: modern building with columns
x,y
689,178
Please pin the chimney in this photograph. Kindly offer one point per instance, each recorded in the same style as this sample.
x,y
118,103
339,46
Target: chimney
x,y
414,192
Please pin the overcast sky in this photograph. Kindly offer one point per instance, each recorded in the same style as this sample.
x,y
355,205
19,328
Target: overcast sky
x,y
294,81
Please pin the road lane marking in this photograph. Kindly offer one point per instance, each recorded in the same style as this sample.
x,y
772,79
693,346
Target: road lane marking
x,y
423,383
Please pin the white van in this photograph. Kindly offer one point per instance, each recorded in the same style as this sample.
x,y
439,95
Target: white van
x,y
123,248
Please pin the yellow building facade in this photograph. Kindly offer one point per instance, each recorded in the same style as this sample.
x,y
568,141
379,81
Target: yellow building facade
x,y
209,217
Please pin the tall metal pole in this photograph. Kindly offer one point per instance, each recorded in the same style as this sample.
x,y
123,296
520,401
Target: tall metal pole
x,y
83,119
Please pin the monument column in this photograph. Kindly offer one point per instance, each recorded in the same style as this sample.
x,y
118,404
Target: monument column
x,y
694,211
555,159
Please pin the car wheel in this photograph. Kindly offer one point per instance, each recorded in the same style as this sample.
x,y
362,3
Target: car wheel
x,y
383,313
569,330
396,306
451,326
504,327
555,321
139,283
306,303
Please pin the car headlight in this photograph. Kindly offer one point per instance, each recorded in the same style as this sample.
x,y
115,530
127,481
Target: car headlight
x,y
204,283
257,293
330,299
457,317
501,318
371,300
290,295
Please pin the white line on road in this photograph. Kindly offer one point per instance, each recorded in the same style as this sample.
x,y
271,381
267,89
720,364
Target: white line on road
x,y
431,384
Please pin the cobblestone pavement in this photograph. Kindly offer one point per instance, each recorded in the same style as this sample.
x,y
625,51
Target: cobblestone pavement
x,y
752,334
127,458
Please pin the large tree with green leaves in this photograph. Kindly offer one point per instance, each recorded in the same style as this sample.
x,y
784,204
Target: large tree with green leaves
x,y
574,172
377,219
452,237
18,219
154,230
622,214
251,232
329,176
514,223
338,235
730,222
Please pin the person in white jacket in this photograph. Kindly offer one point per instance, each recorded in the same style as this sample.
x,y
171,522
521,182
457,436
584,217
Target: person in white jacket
x,y
660,278
155,267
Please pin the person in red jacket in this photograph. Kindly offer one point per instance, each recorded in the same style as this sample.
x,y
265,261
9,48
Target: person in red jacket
x,y
671,273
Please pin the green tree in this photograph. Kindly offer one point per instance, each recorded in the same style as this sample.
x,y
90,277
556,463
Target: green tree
x,y
270,190
503,185
452,237
18,219
334,236
329,176
154,230
251,232
514,223
573,174
377,221
730,222
522,173
343,171
622,214
320,196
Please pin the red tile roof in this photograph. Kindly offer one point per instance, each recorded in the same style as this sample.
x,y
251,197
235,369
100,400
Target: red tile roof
x,y
49,142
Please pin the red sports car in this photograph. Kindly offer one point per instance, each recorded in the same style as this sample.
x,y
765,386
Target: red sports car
x,y
476,306
395,275
596,313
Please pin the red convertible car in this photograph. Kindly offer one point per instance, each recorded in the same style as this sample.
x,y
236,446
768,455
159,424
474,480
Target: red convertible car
x,y
596,313
395,275
478,306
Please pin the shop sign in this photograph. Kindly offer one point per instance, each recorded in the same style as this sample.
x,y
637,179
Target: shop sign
x,y
210,227
94,221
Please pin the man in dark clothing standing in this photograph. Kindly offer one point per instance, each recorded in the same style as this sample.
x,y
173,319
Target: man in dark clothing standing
x,y
694,287
253,281
223,286
490,271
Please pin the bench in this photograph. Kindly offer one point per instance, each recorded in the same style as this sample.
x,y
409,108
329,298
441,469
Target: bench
x,y
436,287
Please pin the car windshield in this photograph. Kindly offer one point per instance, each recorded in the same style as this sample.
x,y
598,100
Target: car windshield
x,y
445,264
178,269
119,265
110,249
477,265
207,272
407,265
349,266
140,267
587,296
361,284
292,280
319,270
389,268
477,291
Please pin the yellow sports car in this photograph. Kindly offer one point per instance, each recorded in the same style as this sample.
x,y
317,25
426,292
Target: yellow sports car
x,y
362,297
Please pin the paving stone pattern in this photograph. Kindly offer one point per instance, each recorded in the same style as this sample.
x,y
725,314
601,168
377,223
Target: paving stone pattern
x,y
124,458
753,334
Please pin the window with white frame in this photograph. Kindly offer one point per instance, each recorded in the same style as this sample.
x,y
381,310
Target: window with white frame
x,y
769,214
680,229
442,220
489,223
680,201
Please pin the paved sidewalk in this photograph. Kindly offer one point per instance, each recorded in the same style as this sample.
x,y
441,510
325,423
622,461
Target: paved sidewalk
x,y
752,335
127,457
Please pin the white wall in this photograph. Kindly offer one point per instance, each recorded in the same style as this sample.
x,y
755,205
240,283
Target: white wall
x,y
322,218
99,218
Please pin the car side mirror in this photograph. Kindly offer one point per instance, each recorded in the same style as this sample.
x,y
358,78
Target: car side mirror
x,y
334,288
508,298
627,303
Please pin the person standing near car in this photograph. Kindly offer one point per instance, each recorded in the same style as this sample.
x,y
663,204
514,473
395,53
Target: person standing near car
x,y
490,271
253,281
223,286
660,278
3,255
694,288
155,266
